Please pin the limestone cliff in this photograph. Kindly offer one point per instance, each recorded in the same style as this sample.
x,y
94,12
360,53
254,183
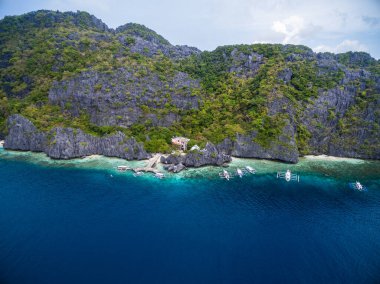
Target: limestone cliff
x,y
67,143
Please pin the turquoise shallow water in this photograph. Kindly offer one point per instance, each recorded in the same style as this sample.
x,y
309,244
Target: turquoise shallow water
x,y
71,222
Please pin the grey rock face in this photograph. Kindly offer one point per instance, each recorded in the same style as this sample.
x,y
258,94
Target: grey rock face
x,y
285,75
140,39
284,149
175,168
207,156
151,48
71,143
316,116
23,135
119,98
67,143
325,115
245,65
171,159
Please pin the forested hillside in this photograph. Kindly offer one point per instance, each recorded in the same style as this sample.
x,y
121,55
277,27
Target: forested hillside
x,y
69,73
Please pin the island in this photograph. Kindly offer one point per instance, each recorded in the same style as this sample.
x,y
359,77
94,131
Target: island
x,y
72,87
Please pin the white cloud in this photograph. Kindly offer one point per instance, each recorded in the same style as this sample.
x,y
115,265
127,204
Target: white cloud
x,y
344,46
290,27
294,29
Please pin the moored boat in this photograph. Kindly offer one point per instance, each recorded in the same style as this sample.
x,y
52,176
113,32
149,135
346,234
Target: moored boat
x,y
250,169
225,175
288,176
122,168
159,175
357,186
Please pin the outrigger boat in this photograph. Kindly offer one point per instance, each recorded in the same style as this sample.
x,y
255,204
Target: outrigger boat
x,y
137,174
159,175
358,186
239,172
225,175
288,176
122,168
250,169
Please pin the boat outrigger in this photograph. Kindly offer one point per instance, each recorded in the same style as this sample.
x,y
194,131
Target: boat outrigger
x,y
250,169
159,175
358,186
288,176
239,172
225,175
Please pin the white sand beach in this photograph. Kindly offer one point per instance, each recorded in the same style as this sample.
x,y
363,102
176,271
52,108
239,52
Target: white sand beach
x,y
332,158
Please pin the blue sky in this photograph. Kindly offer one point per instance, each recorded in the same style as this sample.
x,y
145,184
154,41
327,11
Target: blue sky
x,y
324,25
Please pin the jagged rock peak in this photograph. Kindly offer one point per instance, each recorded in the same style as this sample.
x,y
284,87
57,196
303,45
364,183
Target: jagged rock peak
x,y
48,19
142,31
355,59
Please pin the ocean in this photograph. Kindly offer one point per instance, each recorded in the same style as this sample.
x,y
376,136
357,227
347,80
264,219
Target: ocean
x,y
81,221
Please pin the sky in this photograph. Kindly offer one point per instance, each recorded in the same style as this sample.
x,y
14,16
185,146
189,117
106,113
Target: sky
x,y
325,25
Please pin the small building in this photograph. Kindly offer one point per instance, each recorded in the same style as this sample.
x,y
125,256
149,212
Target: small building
x,y
181,142
195,148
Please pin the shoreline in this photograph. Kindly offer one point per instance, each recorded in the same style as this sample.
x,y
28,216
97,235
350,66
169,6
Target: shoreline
x,y
234,159
333,158
326,166
322,157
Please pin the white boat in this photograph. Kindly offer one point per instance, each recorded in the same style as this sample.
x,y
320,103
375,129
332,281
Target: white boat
x,y
122,168
239,172
137,174
225,175
250,169
358,186
288,176
1,144
159,175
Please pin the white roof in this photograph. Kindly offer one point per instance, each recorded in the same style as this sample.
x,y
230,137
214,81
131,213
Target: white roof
x,y
195,147
181,138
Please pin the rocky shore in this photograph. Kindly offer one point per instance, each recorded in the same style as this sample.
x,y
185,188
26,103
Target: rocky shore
x,y
68,143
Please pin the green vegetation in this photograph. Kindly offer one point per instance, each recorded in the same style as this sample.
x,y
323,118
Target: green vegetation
x,y
238,83
133,29
356,59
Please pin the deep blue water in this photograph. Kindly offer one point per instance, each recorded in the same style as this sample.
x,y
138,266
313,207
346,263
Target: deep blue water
x,y
67,225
